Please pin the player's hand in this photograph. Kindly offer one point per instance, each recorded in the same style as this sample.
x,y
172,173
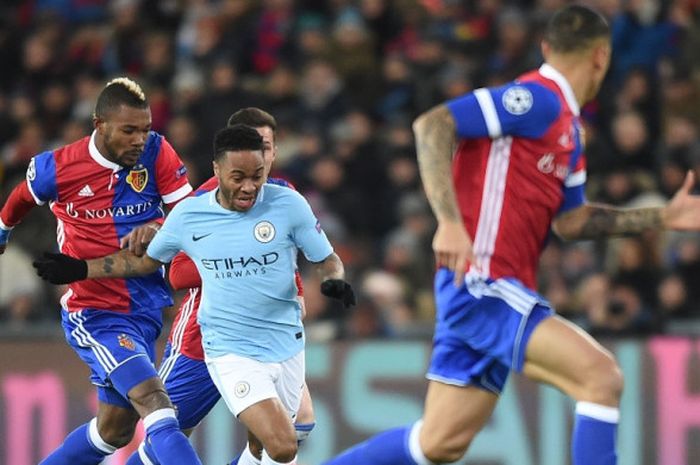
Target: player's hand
x,y
138,239
339,290
57,268
683,211
4,237
453,248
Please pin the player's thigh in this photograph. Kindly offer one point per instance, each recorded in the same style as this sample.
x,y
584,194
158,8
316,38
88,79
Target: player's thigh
x,y
269,422
454,415
189,386
563,355
305,415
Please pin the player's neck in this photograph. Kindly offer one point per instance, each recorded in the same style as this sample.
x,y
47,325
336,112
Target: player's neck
x,y
102,148
576,75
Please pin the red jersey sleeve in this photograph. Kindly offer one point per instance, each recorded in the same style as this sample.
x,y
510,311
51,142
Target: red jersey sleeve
x,y
171,175
17,206
300,283
183,273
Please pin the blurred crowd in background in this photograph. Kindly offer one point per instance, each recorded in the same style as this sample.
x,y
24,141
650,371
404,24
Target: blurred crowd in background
x,y
345,79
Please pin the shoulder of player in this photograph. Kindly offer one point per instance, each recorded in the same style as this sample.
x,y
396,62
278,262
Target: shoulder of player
x,y
280,193
544,101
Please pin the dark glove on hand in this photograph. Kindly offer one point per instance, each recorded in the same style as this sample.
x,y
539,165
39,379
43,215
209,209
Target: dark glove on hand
x,y
57,268
339,290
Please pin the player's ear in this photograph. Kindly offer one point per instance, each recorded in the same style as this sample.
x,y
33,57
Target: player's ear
x,y
215,165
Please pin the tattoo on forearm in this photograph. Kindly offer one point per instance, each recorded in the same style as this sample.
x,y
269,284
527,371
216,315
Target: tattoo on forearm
x,y
435,144
603,222
107,265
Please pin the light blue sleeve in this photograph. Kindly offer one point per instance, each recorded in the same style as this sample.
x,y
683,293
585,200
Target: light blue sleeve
x,y
307,233
168,240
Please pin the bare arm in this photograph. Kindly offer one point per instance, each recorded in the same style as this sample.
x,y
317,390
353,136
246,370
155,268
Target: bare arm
x,y
593,221
122,264
435,144
330,268
436,140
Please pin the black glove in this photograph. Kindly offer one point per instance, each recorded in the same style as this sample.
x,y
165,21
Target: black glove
x,y
339,290
57,268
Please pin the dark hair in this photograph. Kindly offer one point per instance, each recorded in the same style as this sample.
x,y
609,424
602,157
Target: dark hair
x,y
254,117
120,91
236,138
574,28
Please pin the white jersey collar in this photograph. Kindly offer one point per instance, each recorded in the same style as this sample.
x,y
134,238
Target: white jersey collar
x,y
99,158
548,71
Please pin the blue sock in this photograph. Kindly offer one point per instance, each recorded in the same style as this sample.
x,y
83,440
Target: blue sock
x,y
169,444
594,436
387,448
79,448
144,449
234,461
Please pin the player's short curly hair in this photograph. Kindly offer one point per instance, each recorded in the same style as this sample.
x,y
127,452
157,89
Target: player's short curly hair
x,y
574,28
236,138
117,92
254,117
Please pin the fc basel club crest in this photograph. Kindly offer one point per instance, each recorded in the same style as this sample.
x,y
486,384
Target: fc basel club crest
x,y
137,178
126,342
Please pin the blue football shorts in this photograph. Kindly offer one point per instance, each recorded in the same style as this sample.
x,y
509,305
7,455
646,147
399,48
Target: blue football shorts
x,y
119,348
482,329
189,387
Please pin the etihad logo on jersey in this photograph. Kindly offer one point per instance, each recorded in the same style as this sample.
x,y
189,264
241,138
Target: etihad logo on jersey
x,y
547,165
137,178
111,212
239,267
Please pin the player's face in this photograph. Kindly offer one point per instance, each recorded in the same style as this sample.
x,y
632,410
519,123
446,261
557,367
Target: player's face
x,y
269,150
241,174
600,59
122,134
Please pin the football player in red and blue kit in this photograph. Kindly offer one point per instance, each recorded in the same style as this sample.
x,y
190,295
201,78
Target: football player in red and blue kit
x,y
515,154
100,188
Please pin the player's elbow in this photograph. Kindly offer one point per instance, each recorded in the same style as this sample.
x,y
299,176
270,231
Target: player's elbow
x,y
566,227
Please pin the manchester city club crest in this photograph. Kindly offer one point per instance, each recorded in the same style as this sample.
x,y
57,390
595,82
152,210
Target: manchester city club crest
x,y
137,178
264,232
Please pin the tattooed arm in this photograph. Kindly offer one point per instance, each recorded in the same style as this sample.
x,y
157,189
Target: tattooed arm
x,y
122,264
435,145
593,221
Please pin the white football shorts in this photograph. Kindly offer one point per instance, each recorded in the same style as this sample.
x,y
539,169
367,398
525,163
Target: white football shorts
x,y
243,381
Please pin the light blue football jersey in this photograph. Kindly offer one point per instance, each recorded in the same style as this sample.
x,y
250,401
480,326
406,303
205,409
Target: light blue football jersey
x,y
246,260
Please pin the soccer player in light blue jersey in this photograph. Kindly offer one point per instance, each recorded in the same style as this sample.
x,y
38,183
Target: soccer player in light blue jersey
x,y
243,237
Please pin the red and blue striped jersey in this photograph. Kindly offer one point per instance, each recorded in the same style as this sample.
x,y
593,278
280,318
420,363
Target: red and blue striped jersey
x,y
96,203
518,164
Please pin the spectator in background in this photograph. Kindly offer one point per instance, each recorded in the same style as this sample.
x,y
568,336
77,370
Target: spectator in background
x,y
20,290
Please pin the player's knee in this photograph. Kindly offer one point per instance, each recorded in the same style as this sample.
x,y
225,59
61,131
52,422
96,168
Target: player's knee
x,y
605,381
116,435
148,397
446,450
282,449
